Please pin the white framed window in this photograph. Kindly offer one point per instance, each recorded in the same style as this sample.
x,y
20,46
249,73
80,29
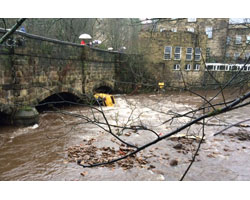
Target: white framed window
x,y
209,31
190,30
162,29
191,19
248,39
209,67
238,39
221,68
247,55
236,56
234,68
228,40
187,67
177,53
197,67
244,68
167,53
189,53
197,54
176,67
174,30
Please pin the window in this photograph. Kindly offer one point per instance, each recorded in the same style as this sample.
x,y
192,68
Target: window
x,y
177,53
190,30
197,56
177,67
229,68
189,53
238,39
191,19
221,68
236,56
197,67
234,67
210,67
162,29
248,39
228,40
174,29
209,32
247,55
244,69
227,55
207,53
187,67
167,53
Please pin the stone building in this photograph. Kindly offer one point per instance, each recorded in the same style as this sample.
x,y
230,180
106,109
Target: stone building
x,y
214,28
181,50
174,57
237,43
226,42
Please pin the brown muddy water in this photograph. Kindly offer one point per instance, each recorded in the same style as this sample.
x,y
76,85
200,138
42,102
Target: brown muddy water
x,y
39,152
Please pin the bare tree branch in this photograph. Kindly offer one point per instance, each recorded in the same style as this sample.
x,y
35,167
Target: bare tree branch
x,y
12,30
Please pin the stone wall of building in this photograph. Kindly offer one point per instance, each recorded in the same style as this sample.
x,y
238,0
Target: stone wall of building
x,y
221,42
238,43
163,69
213,34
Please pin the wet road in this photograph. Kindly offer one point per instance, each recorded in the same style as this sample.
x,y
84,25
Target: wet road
x,y
40,152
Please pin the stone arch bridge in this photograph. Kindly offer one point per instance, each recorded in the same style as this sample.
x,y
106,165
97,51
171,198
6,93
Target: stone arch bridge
x,y
33,68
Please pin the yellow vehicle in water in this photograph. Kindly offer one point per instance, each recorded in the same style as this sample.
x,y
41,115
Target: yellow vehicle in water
x,y
105,99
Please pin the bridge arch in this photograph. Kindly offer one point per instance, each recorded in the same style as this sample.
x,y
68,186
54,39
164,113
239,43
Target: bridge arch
x,y
101,87
56,94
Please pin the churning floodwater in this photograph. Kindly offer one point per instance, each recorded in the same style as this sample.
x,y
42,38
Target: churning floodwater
x,y
39,152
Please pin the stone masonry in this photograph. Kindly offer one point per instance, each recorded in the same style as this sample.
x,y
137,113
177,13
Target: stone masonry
x,y
35,68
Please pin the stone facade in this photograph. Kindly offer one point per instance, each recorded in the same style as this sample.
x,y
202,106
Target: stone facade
x,y
238,43
221,36
182,63
222,46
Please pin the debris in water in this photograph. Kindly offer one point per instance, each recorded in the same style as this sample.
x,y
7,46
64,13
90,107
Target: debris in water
x,y
84,173
173,162
89,154
127,134
178,146
242,136
186,138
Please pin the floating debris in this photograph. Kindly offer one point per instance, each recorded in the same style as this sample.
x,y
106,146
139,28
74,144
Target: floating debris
x,y
242,136
173,162
190,138
84,173
127,134
178,146
88,154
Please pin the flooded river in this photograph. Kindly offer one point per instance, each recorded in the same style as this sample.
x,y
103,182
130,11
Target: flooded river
x,y
40,152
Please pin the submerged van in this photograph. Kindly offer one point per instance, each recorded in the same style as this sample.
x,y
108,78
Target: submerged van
x,y
105,99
